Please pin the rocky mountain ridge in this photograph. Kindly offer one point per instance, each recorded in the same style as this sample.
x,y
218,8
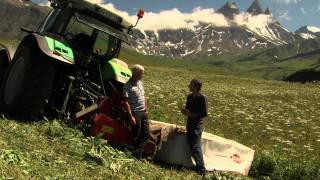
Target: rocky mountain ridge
x,y
202,40
308,32
208,40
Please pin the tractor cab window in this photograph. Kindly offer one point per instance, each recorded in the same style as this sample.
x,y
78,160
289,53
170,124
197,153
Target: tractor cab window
x,y
106,44
88,37
47,24
79,35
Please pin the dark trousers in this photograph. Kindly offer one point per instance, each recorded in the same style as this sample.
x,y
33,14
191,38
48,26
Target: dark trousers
x,y
194,140
140,131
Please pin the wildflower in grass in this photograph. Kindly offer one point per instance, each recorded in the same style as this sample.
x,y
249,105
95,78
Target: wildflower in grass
x,y
286,149
269,128
306,146
272,109
288,142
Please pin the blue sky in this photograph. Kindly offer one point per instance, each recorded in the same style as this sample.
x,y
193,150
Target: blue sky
x,y
291,13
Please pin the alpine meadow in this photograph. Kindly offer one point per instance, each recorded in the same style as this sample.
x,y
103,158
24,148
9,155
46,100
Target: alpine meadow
x,y
262,82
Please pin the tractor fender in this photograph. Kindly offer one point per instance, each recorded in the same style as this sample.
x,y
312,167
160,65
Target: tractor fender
x,y
5,55
50,47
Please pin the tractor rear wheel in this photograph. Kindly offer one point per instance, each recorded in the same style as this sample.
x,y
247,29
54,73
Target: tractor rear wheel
x,y
27,83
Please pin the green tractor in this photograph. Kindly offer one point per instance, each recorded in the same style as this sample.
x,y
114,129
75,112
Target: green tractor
x,y
67,64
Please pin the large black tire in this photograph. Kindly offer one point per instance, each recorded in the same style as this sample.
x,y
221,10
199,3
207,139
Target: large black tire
x,y
27,83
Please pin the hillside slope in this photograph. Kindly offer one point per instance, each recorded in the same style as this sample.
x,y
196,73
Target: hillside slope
x,y
53,150
16,14
279,120
272,63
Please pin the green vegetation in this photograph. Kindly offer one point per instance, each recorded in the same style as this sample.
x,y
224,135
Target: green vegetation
x,y
52,150
277,119
10,42
262,64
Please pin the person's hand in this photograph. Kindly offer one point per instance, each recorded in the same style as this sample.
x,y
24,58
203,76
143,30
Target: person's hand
x,y
180,130
185,111
133,120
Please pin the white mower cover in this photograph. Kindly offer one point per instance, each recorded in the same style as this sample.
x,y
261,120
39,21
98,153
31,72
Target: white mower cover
x,y
219,154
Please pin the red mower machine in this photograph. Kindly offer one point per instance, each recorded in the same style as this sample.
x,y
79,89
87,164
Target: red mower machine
x,y
109,120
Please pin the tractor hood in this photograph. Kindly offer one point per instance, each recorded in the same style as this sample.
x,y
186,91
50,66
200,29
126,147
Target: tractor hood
x,y
117,70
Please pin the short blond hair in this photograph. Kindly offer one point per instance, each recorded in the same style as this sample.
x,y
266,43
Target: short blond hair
x,y
137,67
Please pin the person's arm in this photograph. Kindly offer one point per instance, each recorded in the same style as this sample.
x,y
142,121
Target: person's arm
x,y
128,109
192,115
204,107
185,111
145,99
146,104
204,110
127,105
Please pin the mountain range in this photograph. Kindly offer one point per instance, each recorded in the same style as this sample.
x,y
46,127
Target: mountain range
x,y
209,40
202,40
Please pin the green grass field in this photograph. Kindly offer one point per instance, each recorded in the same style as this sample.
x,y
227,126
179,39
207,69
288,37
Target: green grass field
x,y
256,64
277,119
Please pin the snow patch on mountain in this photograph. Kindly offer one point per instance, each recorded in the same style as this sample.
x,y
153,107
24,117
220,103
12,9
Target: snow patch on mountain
x,y
307,36
308,32
313,29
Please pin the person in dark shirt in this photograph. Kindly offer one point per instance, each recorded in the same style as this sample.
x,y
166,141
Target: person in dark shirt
x,y
196,110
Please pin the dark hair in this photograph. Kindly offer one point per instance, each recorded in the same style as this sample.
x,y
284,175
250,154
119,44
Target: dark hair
x,y
197,83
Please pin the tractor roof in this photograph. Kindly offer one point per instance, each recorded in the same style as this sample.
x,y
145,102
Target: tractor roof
x,y
94,10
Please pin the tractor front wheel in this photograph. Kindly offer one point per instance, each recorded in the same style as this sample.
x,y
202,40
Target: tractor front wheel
x,y
27,83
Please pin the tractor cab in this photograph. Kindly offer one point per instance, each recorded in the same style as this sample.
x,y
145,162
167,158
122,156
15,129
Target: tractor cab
x,y
93,33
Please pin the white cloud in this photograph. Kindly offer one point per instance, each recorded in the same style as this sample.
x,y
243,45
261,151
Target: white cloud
x,y
303,11
41,2
318,7
96,1
287,1
253,21
284,15
44,3
175,19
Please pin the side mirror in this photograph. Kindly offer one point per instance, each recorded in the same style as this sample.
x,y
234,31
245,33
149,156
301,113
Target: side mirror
x,y
23,29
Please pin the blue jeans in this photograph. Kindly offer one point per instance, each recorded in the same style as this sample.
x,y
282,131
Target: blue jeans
x,y
194,140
